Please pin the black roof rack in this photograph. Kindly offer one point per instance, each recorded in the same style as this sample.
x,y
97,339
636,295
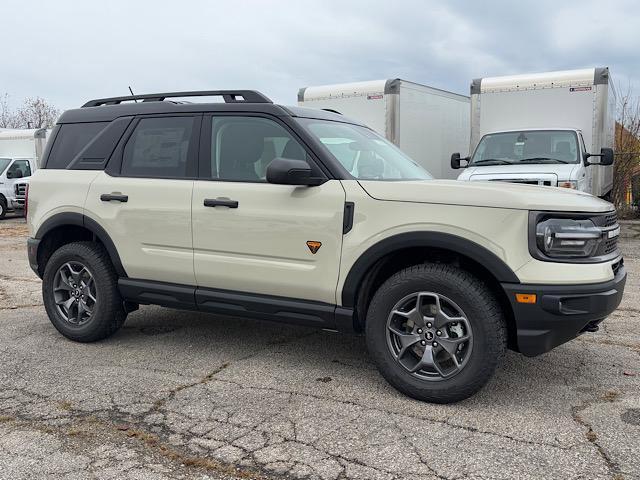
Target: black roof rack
x,y
229,96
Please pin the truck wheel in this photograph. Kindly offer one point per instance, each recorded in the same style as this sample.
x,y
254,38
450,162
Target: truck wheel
x,y
80,292
435,332
3,207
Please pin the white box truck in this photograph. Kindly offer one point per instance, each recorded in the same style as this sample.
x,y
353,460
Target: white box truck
x,y
20,152
424,122
543,129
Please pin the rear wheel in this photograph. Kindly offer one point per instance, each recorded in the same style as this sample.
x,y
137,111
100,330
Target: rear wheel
x,y
435,332
80,292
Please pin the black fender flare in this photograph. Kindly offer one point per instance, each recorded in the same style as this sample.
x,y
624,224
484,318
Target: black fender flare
x,y
445,241
78,219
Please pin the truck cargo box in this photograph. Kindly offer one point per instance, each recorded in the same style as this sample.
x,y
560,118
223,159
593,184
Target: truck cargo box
x,y
426,123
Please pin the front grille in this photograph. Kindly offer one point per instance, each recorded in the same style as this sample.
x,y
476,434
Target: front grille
x,y
610,245
607,222
546,183
21,189
610,220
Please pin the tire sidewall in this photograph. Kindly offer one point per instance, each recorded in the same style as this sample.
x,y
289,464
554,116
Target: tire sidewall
x,y
486,342
3,208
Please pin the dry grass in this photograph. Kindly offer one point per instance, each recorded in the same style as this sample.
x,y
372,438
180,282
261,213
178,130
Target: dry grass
x,y
591,436
611,395
13,231
65,405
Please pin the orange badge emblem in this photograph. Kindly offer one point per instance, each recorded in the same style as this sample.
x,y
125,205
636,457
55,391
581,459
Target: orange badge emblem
x,y
314,246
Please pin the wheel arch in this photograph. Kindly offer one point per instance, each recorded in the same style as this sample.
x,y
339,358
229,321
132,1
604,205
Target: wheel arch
x,y
392,254
67,227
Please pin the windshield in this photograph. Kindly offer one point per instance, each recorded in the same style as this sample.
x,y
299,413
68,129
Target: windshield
x,y
363,153
4,162
526,147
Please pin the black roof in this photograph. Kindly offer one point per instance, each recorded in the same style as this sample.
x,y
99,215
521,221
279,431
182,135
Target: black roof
x,y
108,109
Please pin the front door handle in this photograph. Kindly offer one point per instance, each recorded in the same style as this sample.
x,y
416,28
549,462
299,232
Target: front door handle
x,y
220,202
107,197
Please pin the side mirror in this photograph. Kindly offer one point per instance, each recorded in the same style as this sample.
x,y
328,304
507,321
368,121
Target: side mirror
x,y
287,171
606,157
10,175
455,161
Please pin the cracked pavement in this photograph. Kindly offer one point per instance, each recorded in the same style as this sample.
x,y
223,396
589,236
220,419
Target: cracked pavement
x,y
189,395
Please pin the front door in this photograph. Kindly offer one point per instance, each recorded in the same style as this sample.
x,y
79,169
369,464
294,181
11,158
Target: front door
x,y
255,237
145,206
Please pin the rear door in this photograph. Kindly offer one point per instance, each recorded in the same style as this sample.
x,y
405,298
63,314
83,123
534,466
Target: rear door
x,y
256,237
143,200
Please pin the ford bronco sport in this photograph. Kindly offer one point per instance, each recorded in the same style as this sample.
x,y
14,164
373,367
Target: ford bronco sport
x,y
252,209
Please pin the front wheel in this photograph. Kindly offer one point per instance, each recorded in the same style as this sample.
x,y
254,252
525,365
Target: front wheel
x,y
80,292
436,332
3,207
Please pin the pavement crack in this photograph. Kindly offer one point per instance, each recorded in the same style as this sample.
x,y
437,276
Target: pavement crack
x,y
159,404
592,437
389,412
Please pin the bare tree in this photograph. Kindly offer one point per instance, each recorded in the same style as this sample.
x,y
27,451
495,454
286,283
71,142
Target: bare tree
x,y
35,112
8,118
627,161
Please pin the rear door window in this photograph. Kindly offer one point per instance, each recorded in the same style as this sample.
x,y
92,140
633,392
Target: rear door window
x,y
70,141
160,148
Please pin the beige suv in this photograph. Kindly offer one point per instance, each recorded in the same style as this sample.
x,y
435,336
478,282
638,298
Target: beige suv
x,y
251,209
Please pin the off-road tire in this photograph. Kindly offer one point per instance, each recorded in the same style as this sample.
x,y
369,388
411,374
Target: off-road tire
x,y
483,312
109,314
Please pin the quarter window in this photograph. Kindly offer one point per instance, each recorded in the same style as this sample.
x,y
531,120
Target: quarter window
x,y
70,141
243,147
159,147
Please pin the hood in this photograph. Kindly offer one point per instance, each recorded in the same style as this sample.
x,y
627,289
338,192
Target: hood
x,y
486,194
553,172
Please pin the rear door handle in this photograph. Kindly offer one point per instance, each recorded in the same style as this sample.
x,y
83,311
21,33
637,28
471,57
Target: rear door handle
x,y
107,197
220,202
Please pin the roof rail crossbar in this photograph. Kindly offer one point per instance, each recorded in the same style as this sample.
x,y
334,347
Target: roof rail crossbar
x,y
229,96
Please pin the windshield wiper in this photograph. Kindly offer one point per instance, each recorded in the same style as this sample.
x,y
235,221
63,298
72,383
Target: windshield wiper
x,y
499,161
542,160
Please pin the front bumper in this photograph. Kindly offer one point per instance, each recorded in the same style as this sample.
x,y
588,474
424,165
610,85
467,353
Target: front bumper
x,y
562,312
16,203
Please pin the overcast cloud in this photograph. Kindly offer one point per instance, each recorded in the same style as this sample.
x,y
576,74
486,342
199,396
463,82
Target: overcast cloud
x,y
70,51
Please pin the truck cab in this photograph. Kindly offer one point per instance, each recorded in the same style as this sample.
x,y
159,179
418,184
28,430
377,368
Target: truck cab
x,y
14,176
553,157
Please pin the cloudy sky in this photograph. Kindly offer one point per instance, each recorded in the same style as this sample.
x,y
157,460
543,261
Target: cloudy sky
x,y
69,51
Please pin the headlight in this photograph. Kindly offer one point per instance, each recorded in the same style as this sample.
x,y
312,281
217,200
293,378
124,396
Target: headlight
x,y
573,237
568,184
565,237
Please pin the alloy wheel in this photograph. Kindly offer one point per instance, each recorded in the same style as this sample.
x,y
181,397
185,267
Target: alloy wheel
x,y
74,291
429,335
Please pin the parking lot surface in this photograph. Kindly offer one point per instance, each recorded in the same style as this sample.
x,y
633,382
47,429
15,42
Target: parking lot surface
x,y
188,395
